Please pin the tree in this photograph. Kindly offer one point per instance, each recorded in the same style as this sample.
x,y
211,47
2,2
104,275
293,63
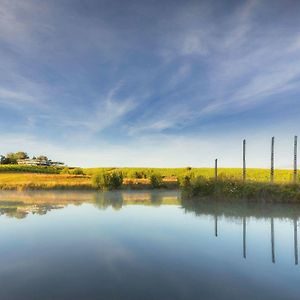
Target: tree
x,y
2,159
21,155
12,158
42,158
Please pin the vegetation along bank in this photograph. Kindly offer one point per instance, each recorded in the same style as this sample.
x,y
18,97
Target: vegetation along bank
x,y
194,182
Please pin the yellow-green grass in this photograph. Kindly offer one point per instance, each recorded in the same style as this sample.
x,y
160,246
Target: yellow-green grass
x,y
259,175
33,181
22,181
19,180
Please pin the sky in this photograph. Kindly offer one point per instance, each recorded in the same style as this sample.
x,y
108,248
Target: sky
x,y
163,83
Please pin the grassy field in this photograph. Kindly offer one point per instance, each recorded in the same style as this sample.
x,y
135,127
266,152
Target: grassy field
x,y
14,177
23,181
258,175
35,181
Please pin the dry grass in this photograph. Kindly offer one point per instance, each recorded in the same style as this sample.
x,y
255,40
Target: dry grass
x,y
33,181
23,181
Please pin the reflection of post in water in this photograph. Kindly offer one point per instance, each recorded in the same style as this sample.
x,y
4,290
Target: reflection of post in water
x,y
296,241
244,237
216,225
272,240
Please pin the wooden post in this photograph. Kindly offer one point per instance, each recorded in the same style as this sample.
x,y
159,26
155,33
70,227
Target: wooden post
x,y
244,160
272,241
216,225
272,160
244,238
295,158
296,241
216,169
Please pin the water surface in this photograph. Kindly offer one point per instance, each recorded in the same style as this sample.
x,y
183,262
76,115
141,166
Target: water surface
x,y
145,245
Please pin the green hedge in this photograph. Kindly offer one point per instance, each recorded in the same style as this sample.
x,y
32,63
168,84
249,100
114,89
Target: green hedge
x,y
29,169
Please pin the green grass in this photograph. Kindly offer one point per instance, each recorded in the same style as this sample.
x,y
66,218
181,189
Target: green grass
x,y
29,169
14,177
229,189
257,175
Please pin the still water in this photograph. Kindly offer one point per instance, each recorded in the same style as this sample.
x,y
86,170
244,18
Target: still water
x,y
145,245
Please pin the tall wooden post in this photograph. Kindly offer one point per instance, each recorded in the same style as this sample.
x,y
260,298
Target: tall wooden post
x,y
272,241
295,158
272,160
216,169
244,238
244,160
296,241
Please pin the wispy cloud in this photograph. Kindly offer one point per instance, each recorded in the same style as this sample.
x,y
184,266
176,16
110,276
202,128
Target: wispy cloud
x,y
107,111
243,60
127,70
9,96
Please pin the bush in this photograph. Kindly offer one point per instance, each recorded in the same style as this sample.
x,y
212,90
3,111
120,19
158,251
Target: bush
x,y
186,179
107,181
77,171
65,171
29,169
135,174
236,189
156,181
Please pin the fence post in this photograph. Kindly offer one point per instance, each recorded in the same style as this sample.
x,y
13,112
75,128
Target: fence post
x,y
216,169
272,160
244,238
216,226
272,241
295,158
244,160
295,241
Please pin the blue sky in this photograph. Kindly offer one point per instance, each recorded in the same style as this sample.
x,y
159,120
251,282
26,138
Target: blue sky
x,y
150,83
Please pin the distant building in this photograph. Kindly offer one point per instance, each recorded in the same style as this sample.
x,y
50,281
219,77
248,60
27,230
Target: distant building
x,y
38,162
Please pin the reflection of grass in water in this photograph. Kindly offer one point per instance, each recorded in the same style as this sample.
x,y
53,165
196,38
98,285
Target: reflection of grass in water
x,y
20,210
16,203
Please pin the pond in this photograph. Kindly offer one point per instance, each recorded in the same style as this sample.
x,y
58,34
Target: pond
x,y
145,245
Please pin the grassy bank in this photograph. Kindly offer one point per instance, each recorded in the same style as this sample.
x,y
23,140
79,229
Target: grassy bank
x,y
257,175
35,181
200,181
238,190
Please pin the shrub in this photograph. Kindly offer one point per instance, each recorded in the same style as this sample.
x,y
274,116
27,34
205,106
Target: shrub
x,y
65,171
236,189
29,169
156,181
135,174
185,180
77,171
108,181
